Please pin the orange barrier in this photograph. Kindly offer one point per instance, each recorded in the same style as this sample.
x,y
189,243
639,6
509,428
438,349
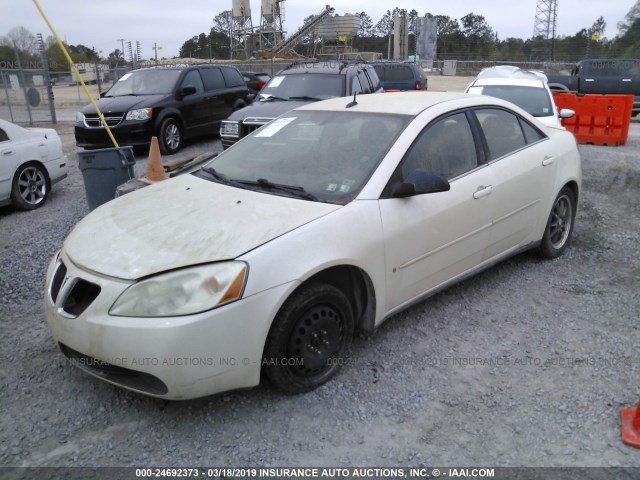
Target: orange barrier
x,y
599,119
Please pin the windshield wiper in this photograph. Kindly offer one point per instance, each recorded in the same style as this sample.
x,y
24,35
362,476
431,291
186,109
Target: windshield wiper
x,y
305,97
295,190
272,97
219,177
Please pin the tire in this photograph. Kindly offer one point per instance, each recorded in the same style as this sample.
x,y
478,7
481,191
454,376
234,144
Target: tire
x,y
559,229
312,332
170,136
30,186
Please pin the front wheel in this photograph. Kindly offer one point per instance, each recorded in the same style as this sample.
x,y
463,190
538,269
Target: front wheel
x,y
557,234
170,138
30,187
308,339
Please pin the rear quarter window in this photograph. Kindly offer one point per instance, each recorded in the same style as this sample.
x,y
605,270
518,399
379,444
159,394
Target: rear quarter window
x,y
232,77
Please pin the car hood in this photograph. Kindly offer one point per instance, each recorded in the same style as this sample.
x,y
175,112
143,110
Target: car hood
x,y
180,222
124,103
268,109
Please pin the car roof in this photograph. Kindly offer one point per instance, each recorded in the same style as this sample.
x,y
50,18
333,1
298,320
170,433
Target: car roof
x,y
329,66
408,103
509,74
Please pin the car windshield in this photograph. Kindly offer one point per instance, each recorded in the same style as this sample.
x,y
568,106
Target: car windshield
x,y
534,100
145,82
316,155
310,85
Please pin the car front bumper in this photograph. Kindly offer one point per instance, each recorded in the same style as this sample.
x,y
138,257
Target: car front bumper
x,y
126,134
173,358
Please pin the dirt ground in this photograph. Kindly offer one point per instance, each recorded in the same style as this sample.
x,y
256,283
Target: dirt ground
x,y
527,364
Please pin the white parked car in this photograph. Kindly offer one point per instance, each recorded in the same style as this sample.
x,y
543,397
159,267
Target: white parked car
x,y
328,220
526,88
31,160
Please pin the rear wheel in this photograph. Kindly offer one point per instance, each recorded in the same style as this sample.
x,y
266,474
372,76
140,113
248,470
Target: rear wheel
x,y
30,187
557,234
308,339
170,138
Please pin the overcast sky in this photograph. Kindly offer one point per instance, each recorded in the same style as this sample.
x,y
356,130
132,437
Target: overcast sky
x,y
169,23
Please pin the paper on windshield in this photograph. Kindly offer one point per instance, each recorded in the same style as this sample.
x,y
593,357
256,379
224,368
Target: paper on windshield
x,y
274,127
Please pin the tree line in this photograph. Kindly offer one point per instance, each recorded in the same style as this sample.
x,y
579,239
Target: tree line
x,y
469,38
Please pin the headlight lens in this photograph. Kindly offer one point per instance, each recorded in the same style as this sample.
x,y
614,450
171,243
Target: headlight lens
x,y
229,129
139,114
79,117
183,292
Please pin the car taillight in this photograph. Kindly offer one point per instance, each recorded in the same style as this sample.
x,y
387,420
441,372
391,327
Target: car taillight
x,y
418,85
260,85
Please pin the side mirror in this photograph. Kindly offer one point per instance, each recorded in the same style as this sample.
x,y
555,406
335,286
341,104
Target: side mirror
x,y
567,113
420,182
188,90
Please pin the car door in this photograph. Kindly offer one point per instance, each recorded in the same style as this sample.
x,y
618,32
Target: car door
x,y
193,107
524,171
433,238
215,90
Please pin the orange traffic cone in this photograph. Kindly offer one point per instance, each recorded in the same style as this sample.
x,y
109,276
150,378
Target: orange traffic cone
x,y
631,426
155,169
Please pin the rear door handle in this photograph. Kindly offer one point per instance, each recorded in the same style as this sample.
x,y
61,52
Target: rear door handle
x,y
483,192
548,160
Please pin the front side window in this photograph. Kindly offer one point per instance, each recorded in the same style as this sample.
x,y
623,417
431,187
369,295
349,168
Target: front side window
x,y
193,79
331,155
445,148
3,136
502,131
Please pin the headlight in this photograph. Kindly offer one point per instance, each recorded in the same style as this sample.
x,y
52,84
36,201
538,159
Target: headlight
x,y
139,114
229,129
183,292
79,117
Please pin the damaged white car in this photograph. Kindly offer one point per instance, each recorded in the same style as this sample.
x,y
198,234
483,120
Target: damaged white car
x,y
328,220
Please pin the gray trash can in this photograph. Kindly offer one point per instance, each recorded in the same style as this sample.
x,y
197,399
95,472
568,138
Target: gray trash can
x,y
103,170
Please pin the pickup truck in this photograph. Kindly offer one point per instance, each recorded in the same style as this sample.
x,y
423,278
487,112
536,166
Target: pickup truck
x,y
603,76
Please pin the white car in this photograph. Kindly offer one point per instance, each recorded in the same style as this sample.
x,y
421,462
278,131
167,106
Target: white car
x,y
526,88
330,219
31,160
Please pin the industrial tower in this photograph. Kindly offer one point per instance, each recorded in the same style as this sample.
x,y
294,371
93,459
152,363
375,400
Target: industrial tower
x,y
544,30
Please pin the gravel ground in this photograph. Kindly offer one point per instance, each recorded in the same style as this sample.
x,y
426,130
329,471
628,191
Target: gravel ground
x,y
526,364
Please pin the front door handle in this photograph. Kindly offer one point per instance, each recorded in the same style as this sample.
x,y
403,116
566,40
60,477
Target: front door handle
x,y
483,191
548,160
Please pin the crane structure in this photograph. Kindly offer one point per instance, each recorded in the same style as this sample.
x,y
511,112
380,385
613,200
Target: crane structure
x,y
544,30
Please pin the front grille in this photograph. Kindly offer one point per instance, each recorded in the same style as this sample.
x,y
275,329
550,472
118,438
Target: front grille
x,y
72,295
113,373
250,125
92,120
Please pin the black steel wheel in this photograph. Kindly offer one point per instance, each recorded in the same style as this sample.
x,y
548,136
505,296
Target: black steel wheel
x,y
557,234
309,338
170,138
30,187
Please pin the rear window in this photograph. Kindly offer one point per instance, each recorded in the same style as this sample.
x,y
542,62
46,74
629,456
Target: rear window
x,y
394,73
535,101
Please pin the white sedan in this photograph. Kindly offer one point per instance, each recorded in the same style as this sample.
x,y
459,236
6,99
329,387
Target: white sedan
x,y
31,160
526,88
328,220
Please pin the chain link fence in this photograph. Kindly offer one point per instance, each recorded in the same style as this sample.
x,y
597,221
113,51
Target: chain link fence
x,y
37,96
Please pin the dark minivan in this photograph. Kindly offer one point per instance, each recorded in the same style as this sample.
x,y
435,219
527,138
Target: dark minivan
x,y
401,75
173,103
